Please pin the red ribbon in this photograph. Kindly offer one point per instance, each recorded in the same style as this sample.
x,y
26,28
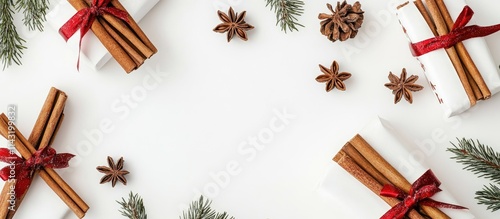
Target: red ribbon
x,y
84,18
22,170
458,33
421,191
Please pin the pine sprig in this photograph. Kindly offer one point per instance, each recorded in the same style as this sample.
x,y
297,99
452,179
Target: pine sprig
x,y
287,12
483,161
34,12
133,208
490,196
477,158
201,210
11,44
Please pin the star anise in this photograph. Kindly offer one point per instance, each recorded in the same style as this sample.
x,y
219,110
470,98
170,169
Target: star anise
x,y
403,86
343,22
233,24
332,77
114,172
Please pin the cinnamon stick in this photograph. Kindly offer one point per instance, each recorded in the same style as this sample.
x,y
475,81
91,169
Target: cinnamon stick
x,y
357,172
390,172
128,34
43,129
26,149
442,29
111,45
135,27
464,54
364,164
421,7
136,56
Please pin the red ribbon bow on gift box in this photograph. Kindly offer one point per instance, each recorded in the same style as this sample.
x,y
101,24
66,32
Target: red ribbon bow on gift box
x,y
22,170
458,33
84,18
421,190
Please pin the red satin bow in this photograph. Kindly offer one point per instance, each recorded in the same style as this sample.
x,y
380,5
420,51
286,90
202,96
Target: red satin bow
x,y
421,191
84,18
22,170
458,33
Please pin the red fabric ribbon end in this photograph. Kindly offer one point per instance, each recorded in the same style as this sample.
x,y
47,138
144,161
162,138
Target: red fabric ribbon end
x,y
459,33
421,190
22,170
84,18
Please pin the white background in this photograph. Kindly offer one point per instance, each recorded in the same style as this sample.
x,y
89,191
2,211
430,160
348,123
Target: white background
x,y
213,96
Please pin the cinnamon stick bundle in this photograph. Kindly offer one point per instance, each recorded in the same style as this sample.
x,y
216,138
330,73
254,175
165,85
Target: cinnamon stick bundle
x,y
43,133
440,22
126,41
362,161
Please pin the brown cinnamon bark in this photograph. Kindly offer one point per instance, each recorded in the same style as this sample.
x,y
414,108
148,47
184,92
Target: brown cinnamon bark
x,y
442,29
135,27
464,54
390,172
357,172
107,41
136,56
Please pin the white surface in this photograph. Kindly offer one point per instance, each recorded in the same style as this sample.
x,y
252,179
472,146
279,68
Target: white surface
x,y
212,97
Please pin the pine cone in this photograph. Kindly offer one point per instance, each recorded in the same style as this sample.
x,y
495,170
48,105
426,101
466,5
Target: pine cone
x,y
343,23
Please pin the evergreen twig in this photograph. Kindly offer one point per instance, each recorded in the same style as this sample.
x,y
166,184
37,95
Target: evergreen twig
x,y
478,158
287,12
483,161
11,44
133,208
490,196
201,210
34,12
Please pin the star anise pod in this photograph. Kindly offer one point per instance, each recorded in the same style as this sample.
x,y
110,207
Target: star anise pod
x,y
332,77
344,21
403,86
114,172
233,23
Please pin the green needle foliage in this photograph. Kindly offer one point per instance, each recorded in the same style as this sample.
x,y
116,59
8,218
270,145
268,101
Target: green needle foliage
x,y
201,210
133,208
490,196
483,161
11,44
287,12
34,12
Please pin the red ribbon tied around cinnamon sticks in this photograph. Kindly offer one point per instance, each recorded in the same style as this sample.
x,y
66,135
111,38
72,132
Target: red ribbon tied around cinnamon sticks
x,y
421,190
84,18
22,170
458,33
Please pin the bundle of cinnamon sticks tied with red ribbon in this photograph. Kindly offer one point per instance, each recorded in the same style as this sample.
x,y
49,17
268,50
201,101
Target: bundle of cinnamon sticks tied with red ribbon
x,y
114,27
37,158
376,158
452,51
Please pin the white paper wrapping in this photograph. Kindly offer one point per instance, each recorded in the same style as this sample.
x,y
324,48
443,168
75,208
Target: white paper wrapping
x,y
438,68
353,195
93,52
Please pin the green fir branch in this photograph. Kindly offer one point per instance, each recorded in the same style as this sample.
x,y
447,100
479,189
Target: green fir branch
x,y
490,196
34,12
11,44
477,158
287,12
201,210
133,208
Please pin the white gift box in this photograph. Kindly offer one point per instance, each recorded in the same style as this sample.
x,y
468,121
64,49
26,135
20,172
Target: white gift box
x,y
393,147
93,52
439,69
